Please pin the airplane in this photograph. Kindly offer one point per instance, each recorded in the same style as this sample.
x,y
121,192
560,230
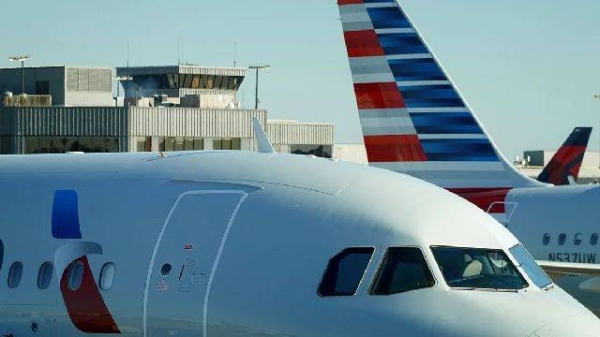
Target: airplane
x,y
233,243
414,121
563,168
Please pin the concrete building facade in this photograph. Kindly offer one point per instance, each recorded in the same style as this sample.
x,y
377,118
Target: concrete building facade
x,y
173,108
67,85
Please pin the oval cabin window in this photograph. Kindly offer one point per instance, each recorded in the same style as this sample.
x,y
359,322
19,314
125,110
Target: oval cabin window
x,y
14,275
75,275
45,275
594,239
107,276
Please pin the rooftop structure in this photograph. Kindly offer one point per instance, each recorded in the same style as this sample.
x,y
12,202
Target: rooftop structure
x,y
66,85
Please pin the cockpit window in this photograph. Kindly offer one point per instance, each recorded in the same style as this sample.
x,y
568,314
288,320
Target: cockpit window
x,y
535,273
345,271
476,268
403,269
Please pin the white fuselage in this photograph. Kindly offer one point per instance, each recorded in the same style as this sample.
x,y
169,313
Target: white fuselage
x,y
247,238
559,223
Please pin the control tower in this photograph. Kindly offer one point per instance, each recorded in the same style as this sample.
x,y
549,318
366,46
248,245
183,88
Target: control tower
x,y
183,85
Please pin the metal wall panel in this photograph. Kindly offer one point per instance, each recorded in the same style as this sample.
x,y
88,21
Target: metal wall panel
x,y
300,133
193,122
62,121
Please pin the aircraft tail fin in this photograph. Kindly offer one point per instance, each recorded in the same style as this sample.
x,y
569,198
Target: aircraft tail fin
x,y
413,118
567,160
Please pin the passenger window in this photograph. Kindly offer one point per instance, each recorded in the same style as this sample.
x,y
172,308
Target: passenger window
x,y
107,276
546,240
403,269
594,239
562,238
14,275
45,275
345,271
75,275
577,239
165,269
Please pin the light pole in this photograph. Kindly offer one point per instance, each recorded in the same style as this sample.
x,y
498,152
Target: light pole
x,y
21,58
257,68
120,79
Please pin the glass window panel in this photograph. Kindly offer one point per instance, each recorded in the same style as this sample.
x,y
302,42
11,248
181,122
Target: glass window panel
x,y
171,79
14,275
562,238
345,271
210,82
75,275
32,144
226,144
577,239
217,144
188,144
225,83
218,80
107,276
188,81
196,82
140,144
535,273
236,144
198,144
593,240
179,144
403,269
85,144
74,144
232,85
478,268
203,81
45,275
170,144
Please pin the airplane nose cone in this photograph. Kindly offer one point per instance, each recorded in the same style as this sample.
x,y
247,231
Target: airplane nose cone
x,y
570,326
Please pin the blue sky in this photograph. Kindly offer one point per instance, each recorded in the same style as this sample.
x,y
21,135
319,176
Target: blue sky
x,y
529,69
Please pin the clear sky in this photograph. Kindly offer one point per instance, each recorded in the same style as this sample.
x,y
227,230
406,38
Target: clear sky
x,y
529,69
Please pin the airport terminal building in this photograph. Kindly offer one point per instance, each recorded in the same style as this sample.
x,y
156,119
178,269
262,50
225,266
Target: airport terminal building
x,y
172,108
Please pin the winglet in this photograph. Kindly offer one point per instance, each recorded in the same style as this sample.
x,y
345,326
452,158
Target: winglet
x,y
264,145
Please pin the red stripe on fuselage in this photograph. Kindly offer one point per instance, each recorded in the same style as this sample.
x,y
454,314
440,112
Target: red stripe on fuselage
x,y
485,197
85,306
378,96
363,43
349,2
396,148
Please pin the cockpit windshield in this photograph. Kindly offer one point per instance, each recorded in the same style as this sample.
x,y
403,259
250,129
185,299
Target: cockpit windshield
x,y
476,268
535,273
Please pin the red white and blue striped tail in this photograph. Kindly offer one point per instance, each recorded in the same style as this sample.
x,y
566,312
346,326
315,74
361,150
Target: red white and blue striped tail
x,y
414,121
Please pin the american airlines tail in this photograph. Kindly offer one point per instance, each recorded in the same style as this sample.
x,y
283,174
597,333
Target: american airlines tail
x,y
413,119
567,161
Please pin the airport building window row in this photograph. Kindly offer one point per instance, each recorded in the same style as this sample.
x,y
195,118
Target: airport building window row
x,y
405,269
578,239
